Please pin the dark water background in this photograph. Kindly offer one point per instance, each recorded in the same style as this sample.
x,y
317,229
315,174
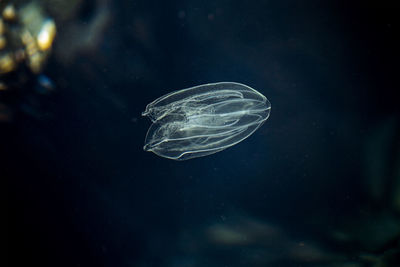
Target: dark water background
x,y
80,191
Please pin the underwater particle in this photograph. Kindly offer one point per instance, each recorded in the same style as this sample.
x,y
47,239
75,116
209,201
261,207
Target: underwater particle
x,y
9,12
45,84
7,64
46,35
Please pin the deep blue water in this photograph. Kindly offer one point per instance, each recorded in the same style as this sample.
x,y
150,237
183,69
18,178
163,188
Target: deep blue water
x,y
314,186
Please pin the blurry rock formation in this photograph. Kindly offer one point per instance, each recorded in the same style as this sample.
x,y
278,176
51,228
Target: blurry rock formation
x,y
27,33
28,39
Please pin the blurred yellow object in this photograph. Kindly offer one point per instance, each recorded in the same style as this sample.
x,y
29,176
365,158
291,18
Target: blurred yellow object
x,y
1,26
35,63
29,42
46,35
9,12
3,42
7,64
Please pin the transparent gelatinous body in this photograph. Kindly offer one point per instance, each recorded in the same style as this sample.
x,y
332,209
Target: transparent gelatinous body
x,y
204,119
